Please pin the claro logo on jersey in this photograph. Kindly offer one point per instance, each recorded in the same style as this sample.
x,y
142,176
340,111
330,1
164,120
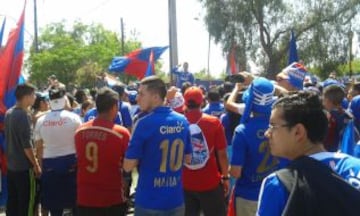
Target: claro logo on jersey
x,y
55,123
166,129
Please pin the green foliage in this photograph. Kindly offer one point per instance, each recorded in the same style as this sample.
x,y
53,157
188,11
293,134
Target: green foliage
x,y
76,54
86,75
203,75
261,30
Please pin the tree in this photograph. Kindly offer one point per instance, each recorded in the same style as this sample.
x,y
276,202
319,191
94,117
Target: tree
x,y
67,53
261,29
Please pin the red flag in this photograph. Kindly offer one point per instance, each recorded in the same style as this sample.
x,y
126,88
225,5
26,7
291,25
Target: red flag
x,y
232,64
11,60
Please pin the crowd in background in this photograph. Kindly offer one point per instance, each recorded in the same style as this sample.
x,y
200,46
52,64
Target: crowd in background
x,y
79,148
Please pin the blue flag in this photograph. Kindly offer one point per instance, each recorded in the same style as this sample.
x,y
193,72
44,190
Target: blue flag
x,y
293,56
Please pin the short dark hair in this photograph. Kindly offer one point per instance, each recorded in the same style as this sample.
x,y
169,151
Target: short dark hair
x,y
119,88
304,108
39,98
213,94
185,86
23,90
334,93
80,96
155,85
106,99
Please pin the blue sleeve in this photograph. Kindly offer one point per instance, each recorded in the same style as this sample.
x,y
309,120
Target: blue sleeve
x,y
175,71
135,149
238,147
91,114
206,109
192,80
117,119
272,198
126,116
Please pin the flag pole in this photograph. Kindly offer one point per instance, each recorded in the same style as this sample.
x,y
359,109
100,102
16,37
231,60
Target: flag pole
x,y
36,43
172,37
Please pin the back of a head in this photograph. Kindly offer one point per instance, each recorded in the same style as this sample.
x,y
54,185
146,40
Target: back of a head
x,y
39,98
213,94
120,89
106,99
185,86
155,85
80,96
334,93
23,90
304,108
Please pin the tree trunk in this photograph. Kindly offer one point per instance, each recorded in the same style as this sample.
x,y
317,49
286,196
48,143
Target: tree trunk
x,y
273,68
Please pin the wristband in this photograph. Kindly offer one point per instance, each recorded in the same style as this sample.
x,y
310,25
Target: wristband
x,y
225,177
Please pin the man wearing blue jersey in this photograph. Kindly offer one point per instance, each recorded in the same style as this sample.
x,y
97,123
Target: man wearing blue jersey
x,y
159,145
183,76
251,161
297,127
123,117
215,106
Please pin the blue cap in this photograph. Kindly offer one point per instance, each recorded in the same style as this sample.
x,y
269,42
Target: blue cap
x,y
258,98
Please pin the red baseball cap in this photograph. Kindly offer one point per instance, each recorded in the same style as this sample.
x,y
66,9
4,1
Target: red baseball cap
x,y
193,94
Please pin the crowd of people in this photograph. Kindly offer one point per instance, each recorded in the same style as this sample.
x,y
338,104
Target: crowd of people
x,y
251,146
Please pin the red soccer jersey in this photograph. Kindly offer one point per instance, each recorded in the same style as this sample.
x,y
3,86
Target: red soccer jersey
x,y
208,177
100,148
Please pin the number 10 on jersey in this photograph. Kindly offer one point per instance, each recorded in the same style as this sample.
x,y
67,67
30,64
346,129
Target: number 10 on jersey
x,y
172,154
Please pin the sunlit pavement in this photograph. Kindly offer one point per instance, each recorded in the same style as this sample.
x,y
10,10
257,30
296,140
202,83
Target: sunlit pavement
x,y
135,178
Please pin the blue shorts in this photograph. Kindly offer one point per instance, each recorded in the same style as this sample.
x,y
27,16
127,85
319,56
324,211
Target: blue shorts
x,y
58,182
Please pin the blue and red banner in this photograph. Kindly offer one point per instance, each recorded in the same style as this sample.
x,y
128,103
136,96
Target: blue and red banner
x,y
11,60
137,62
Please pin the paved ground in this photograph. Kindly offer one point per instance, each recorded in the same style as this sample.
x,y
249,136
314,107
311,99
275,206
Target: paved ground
x,y
135,178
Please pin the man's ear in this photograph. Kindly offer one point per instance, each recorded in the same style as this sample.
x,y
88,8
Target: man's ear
x,y
300,132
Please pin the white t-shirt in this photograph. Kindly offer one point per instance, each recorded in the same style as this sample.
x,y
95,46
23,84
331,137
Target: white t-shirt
x,y
57,130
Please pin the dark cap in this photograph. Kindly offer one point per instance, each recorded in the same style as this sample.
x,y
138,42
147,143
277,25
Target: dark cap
x,y
120,89
56,93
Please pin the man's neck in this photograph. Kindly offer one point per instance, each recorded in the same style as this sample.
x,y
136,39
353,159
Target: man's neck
x,y
156,104
22,105
105,116
309,149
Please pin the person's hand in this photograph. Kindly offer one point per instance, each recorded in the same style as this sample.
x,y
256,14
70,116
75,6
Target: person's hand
x,y
171,93
226,186
37,170
239,86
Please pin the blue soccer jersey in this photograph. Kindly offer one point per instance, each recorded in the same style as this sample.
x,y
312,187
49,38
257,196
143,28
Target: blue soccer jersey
x,y
273,194
122,118
159,141
251,151
182,77
215,109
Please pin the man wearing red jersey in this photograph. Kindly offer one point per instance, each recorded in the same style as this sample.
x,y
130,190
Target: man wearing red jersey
x,y
100,148
205,187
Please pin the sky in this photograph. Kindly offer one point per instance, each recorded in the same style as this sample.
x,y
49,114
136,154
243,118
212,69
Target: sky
x,y
148,18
